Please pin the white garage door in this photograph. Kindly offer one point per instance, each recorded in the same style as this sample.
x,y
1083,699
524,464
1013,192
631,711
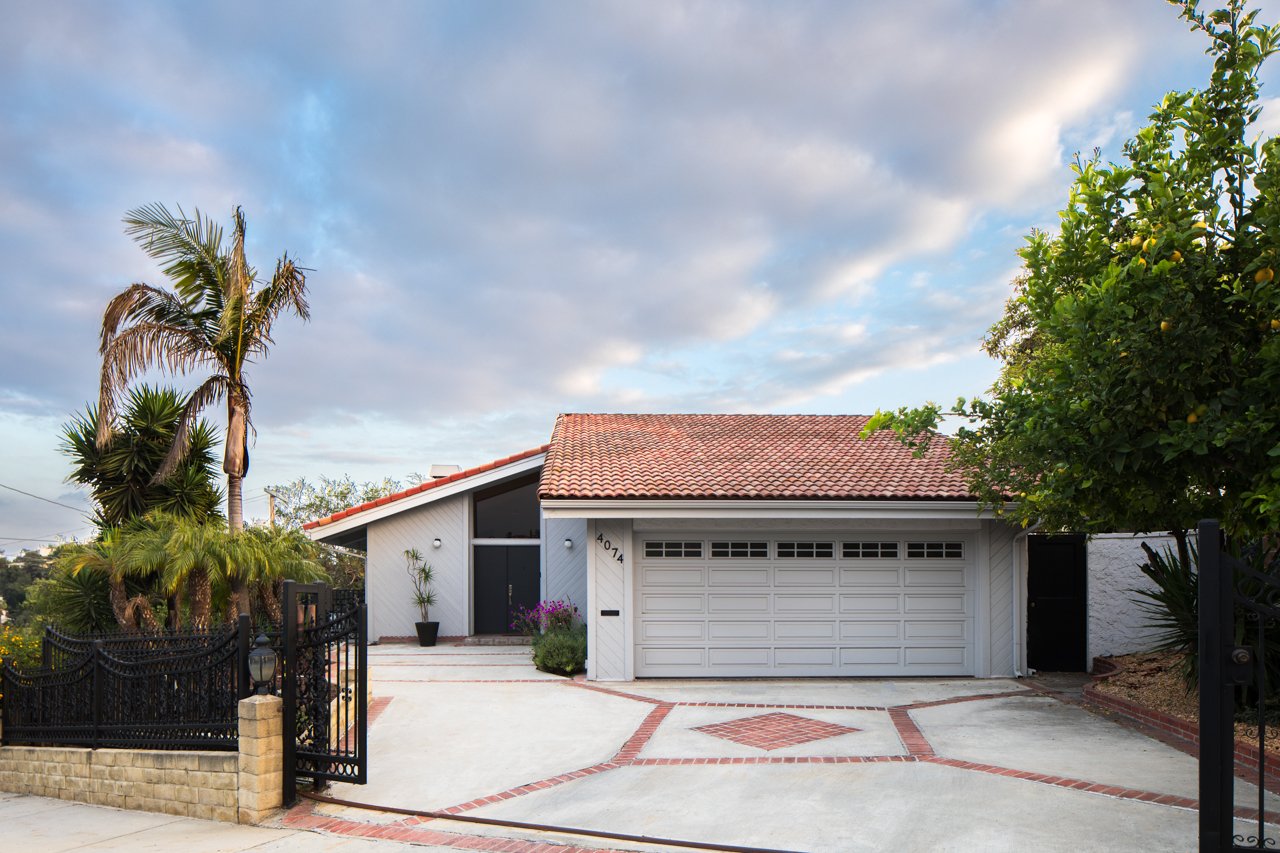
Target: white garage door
x,y
753,605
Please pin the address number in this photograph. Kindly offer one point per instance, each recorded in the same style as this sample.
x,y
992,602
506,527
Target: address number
x,y
609,547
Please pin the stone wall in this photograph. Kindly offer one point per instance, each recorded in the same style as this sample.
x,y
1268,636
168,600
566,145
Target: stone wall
x,y
1117,625
190,784
237,787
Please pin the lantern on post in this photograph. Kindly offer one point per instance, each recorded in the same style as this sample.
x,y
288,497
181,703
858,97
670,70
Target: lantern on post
x,y
262,665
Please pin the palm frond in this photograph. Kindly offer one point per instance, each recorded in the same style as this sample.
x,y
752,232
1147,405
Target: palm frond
x,y
142,302
212,390
287,290
190,249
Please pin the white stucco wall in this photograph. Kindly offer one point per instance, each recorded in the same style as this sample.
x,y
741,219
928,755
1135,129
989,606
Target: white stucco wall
x,y
1117,625
387,585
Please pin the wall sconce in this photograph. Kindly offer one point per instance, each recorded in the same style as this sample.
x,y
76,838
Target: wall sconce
x,y
568,543
435,543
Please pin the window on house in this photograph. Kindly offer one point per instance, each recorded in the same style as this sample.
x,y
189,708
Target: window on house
x,y
747,550
869,550
935,550
508,510
806,550
672,549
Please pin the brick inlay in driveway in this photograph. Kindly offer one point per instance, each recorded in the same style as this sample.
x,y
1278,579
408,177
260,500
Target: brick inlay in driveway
x,y
774,731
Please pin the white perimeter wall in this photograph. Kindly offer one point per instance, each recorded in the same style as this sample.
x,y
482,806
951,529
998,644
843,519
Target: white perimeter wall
x,y
388,589
1117,626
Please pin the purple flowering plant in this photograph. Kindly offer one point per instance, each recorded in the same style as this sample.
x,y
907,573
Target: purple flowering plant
x,y
547,616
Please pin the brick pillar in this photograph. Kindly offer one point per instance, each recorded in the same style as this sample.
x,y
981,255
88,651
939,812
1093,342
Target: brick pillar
x,y
261,768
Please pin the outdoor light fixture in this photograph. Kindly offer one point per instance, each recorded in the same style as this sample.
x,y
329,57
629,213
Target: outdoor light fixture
x,y
568,543
262,665
435,543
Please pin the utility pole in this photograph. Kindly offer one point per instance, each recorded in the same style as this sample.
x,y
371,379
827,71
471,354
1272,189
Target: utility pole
x,y
271,507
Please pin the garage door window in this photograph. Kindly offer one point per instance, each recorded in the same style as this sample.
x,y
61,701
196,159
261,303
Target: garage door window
x,y
741,550
870,551
935,550
673,549
806,550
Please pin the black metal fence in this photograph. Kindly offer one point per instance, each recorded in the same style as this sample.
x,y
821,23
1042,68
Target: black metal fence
x,y
161,691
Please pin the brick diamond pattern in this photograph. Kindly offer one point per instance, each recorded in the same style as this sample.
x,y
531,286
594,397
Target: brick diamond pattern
x,y
774,731
739,457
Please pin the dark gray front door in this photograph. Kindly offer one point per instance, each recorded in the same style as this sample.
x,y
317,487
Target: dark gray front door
x,y
506,578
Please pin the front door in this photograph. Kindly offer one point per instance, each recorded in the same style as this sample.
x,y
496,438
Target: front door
x,y
1056,605
506,578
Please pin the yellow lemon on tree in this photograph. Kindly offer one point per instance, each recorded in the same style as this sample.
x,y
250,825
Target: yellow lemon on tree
x,y
1176,257
1192,418
1135,241
1165,325
1264,275
1142,262
1275,325
1149,244
1200,224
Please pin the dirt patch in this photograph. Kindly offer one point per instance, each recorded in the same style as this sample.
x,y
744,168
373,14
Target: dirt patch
x,y
1154,680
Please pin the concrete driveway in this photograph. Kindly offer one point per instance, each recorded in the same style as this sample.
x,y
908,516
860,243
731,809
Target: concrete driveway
x,y
811,765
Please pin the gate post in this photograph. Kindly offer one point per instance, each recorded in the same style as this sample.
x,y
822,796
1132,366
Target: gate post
x,y
1217,734
243,643
289,693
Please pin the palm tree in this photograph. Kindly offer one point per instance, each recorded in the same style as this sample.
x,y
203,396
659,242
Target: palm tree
x,y
217,317
121,475
107,558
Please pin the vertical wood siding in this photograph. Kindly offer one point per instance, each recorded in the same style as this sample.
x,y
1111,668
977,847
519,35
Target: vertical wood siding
x,y
1001,611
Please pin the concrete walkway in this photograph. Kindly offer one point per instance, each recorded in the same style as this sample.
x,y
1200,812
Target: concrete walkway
x,y
807,765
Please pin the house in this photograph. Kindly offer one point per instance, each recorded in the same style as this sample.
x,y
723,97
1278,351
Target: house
x,y
729,545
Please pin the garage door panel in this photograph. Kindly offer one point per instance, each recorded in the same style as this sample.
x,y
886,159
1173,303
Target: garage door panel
x,y
878,603
950,576
793,603
730,576
804,630
938,603
804,577
673,576
651,630
727,603
756,630
878,576
741,611
935,629
870,656
868,630
934,655
687,658
659,603
806,657
739,657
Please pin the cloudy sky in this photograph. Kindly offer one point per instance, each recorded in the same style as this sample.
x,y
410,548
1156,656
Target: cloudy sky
x,y
513,209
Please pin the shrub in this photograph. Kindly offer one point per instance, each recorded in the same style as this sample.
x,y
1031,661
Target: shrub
x,y
548,616
21,648
561,652
1171,606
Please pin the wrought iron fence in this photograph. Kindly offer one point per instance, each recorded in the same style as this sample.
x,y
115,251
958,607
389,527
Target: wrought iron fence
x,y
150,692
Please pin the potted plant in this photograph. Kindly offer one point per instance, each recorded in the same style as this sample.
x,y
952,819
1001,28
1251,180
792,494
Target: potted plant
x,y
422,576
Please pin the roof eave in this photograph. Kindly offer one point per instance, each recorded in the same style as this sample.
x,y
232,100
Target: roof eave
x,y
922,508
467,484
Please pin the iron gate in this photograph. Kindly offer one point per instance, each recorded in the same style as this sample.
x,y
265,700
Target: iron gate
x,y
325,687
1239,608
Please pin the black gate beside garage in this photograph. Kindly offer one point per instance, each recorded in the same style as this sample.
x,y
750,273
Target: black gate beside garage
x,y
325,688
1239,615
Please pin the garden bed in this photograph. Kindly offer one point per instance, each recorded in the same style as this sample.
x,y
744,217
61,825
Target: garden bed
x,y
1154,681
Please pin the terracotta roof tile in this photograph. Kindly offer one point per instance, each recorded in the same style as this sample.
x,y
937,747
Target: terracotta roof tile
x,y
741,457
425,487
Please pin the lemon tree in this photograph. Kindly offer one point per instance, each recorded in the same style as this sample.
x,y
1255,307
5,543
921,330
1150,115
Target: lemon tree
x,y
1140,352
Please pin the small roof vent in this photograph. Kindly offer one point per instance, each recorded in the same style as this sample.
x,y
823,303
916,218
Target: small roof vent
x,y
439,471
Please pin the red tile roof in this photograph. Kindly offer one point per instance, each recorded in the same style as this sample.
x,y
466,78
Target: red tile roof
x,y
425,487
746,457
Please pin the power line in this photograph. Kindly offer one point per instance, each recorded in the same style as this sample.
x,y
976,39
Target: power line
x,y
46,500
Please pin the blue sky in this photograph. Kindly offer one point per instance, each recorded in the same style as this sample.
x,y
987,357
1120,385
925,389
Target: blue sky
x,y
517,209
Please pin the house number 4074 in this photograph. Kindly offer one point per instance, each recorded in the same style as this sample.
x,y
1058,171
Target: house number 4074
x,y
609,546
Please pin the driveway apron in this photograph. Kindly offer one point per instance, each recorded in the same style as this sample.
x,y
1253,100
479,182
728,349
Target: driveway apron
x,y
808,765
